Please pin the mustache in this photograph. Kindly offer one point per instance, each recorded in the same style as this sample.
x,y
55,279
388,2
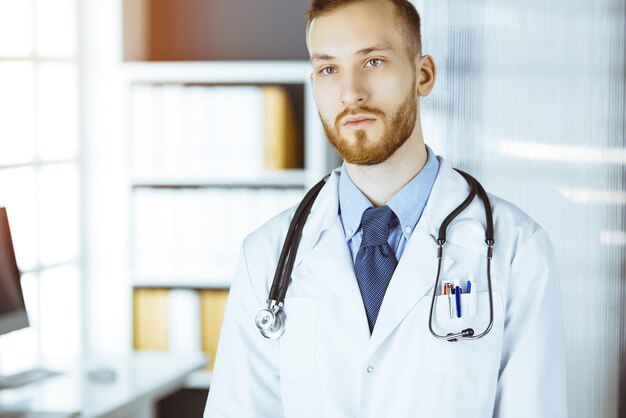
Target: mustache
x,y
357,110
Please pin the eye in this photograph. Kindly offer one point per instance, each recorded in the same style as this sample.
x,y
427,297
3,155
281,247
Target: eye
x,y
376,60
322,71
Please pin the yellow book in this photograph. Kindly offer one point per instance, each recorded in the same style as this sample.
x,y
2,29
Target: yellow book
x,y
282,145
212,306
150,315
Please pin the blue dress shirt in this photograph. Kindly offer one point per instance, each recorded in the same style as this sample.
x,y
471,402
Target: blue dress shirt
x,y
408,205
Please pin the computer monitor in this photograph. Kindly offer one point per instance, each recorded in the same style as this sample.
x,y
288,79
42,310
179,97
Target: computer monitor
x,y
12,308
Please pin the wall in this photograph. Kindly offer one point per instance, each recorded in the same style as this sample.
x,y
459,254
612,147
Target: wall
x,y
215,30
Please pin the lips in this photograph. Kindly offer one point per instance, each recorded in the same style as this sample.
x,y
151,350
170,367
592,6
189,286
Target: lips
x,y
354,122
354,119
360,124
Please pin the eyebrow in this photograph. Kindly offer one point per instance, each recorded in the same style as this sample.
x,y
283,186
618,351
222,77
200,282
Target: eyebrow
x,y
364,51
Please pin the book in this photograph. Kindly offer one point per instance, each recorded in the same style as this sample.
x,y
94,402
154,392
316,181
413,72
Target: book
x,y
150,319
282,145
212,307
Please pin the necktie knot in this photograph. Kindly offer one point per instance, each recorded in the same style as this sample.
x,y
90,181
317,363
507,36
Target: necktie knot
x,y
375,223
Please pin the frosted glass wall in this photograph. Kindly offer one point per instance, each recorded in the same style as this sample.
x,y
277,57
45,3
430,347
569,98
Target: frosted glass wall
x,y
530,99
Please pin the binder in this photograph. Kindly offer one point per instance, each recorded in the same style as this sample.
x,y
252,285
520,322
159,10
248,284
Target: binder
x,y
282,147
212,307
150,311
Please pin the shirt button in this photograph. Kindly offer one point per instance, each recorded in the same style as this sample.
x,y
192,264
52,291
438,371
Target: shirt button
x,y
349,231
370,369
407,229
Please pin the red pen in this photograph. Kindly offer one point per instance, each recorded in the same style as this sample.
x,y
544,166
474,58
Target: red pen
x,y
447,290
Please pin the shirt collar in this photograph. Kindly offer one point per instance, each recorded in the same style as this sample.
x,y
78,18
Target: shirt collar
x,y
408,204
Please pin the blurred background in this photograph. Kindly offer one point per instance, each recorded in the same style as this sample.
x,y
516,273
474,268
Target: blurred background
x,y
141,140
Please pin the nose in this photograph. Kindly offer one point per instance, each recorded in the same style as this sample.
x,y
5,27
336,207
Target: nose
x,y
354,91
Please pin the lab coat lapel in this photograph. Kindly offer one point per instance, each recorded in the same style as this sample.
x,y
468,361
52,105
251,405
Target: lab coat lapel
x,y
417,269
324,256
413,277
331,262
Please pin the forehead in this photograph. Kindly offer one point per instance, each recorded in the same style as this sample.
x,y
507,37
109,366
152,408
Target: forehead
x,y
351,28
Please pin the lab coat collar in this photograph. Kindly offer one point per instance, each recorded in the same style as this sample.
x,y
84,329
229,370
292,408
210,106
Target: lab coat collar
x,y
449,189
324,212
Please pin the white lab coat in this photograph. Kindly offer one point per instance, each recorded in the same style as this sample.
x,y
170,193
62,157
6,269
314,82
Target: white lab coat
x,y
327,364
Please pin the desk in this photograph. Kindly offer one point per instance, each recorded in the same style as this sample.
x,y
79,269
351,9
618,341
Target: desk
x,y
143,377
36,415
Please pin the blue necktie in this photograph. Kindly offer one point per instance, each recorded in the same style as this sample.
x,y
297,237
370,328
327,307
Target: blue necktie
x,y
375,262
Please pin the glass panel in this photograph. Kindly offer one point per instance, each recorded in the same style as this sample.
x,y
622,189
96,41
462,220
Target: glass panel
x,y
17,110
18,195
57,111
60,311
56,28
19,350
59,213
16,28
538,116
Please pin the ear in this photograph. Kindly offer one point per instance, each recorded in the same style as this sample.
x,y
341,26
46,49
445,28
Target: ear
x,y
427,73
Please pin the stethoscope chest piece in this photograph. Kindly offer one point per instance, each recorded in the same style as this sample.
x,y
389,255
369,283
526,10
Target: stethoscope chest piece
x,y
271,322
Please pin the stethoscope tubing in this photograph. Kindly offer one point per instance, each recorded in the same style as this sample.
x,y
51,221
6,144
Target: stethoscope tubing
x,y
288,252
286,261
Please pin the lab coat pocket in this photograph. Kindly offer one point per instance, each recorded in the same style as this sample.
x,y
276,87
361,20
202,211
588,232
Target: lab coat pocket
x,y
297,345
465,358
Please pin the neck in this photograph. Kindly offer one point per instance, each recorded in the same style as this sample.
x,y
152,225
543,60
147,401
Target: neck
x,y
380,182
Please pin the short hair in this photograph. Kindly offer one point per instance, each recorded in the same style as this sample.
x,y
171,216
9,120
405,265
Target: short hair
x,y
405,12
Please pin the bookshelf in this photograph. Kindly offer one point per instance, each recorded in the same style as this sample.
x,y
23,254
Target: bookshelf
x,y
171,205
317,158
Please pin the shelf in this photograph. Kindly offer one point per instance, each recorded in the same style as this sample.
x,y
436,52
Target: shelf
x,y
319,158
228,72
276,179
198,282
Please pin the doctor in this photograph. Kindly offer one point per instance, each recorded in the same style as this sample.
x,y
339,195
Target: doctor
x,y
357,340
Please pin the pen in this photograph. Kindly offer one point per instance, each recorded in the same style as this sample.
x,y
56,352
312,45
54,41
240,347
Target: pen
x,y
457,292
448,291
444,288
473,295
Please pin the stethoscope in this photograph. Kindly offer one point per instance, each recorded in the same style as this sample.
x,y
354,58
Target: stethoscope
x,y
271,320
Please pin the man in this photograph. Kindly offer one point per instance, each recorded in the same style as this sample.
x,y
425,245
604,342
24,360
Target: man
x,y
357,340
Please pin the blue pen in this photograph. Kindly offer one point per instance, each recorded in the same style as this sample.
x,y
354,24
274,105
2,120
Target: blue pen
x,y
469,286
457,293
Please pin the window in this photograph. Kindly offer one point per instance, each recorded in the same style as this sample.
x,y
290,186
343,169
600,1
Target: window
x,y
40,172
